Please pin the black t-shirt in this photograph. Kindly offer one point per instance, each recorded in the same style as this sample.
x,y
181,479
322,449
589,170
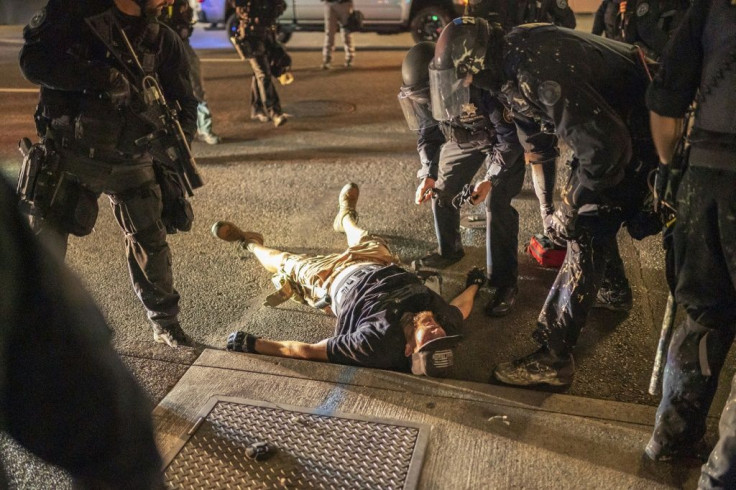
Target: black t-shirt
x,y
368,331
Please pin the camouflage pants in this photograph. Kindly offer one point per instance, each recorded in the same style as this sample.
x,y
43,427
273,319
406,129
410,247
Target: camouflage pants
x,y
310,277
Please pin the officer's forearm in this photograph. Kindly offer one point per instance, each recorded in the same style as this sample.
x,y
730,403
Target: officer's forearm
x,y
665,132
292,349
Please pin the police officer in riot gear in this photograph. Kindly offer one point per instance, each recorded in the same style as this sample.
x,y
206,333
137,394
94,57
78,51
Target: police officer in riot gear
x,y
452,148
89,120
650,23
700,64
256,38
588,91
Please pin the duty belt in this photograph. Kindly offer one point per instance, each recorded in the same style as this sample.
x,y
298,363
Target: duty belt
x,y
350,281
104,155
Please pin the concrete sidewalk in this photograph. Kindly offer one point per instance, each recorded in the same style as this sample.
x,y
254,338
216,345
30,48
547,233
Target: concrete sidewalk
x,y
481,436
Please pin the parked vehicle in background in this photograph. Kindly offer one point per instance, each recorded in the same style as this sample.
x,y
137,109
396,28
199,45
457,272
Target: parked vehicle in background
x,y
425,19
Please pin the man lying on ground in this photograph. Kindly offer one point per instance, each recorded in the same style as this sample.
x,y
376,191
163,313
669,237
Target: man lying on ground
x,y
386,317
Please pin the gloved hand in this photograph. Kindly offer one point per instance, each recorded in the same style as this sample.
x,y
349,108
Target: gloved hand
x,y
241,342
549,231
563,223
424,190
475,276
118,88
661,179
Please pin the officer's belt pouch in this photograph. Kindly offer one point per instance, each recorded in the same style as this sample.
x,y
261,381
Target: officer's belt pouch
x,y
545,252
74,207
98,125
177,212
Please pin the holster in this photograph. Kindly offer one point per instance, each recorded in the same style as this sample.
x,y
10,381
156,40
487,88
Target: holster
x,y
47,193
177,214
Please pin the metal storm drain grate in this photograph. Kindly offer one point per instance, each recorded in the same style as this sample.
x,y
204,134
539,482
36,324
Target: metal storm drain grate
x,y
311,450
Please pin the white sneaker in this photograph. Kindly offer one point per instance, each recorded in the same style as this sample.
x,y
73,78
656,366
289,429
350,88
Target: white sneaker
x,y
209,138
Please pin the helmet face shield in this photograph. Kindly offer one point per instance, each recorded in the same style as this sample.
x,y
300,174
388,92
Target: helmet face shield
x,y
415,106
449,95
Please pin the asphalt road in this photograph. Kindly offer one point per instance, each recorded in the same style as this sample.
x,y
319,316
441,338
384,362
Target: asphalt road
x,y
345,125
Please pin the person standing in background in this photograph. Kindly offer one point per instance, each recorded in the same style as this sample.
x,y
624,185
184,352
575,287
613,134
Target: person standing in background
x,y
180,17
337,12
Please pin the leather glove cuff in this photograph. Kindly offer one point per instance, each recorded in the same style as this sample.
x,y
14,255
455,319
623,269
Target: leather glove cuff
x,y
242,342
475,276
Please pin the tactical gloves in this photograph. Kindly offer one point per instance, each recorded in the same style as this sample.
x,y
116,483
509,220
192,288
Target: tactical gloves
x,y
242,342
475,276
562,224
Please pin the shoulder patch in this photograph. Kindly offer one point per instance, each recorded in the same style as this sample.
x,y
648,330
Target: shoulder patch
x,y
642,9
549,92
562,4
38,19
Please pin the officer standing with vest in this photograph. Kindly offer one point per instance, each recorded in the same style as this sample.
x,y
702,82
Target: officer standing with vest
x,y
650,23
256,40
452,148
96,138
563,80
180,17
699,64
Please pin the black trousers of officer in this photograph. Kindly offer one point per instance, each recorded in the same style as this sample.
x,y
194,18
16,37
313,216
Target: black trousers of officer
x,y
135,198
263,97
705,255
457,167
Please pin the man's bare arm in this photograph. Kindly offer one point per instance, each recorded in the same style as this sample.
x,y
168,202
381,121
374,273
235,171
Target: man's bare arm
x,y
464,300
292,349
666,131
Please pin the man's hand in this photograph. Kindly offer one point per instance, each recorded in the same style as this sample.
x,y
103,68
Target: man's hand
x,y
480,192
118,88
424,190
562,225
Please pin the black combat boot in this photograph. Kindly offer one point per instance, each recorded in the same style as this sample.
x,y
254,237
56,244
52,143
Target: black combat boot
x,y
436,261
502,302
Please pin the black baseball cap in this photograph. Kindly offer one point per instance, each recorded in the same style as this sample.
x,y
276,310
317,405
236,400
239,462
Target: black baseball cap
x,y
436,357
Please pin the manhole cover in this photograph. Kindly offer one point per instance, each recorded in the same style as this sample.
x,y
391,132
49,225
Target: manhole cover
x,y
319,108
312,450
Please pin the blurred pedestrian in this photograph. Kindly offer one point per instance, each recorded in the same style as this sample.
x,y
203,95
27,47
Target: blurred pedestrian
x,y
256,39
66,395
337,14
180,17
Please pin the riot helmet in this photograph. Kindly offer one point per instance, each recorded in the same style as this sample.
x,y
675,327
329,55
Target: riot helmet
x,y
465,54
414,93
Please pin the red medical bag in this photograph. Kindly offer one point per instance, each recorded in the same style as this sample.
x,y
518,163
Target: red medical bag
x,y
544,251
